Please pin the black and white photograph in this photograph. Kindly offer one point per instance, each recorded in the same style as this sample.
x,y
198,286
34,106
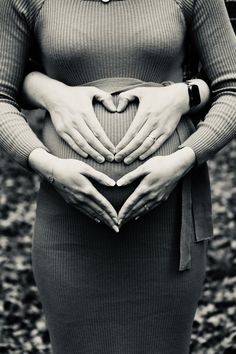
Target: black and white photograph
x,y
118,176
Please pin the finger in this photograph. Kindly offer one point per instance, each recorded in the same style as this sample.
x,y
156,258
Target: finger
x,y
137,123
94,125
131,176
143,205
138,194
73,145
94,142
145,200
104,204
98,176
148,142
147,138
142,139
98,215
123,100
106,99
144,210
84,145
158,143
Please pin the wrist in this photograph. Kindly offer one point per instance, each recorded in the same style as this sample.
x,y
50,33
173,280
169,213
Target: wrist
x,y
182,97
42,162
54,95
42,91
185,159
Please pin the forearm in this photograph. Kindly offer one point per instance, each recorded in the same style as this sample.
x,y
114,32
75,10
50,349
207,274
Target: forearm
x,y
218,128
40,91
217,51
16,137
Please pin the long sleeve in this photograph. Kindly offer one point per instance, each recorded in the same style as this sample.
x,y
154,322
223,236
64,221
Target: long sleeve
x,y
216,44
16,18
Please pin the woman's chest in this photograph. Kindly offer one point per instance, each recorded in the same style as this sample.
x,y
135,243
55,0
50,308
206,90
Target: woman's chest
x,y
116,33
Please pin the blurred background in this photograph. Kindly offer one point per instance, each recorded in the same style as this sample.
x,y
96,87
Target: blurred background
x,y
22,324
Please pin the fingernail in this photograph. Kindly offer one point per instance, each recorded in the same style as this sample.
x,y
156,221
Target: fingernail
x,y
116,229
111,182
113,150
119,158
137,217
128,160
100,159
141,157
110,158
120,221
119,183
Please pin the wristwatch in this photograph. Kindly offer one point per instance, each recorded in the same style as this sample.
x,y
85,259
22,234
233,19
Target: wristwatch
x,y
194,94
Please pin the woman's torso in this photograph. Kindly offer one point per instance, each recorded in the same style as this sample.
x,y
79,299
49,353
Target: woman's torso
x,y
86,40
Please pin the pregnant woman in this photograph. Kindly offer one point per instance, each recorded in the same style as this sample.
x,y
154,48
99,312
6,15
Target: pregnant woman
x,y
136,290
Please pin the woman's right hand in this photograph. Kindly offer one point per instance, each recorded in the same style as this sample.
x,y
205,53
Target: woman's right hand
x,y
72,114
71,178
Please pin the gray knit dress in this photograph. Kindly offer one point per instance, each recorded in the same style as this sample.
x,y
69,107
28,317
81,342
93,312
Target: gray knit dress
x,y
136,292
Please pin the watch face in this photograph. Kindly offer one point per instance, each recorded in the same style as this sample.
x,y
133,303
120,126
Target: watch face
x,y
196,95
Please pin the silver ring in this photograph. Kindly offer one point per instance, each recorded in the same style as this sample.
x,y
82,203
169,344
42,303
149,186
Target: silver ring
x,y
51,179
97,220
146,207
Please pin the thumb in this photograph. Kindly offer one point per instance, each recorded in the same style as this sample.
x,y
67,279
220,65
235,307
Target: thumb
x,y
123,100
131,176
106,99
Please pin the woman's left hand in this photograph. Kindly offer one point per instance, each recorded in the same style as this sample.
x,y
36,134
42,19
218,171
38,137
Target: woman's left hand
x,y
159,112
160,176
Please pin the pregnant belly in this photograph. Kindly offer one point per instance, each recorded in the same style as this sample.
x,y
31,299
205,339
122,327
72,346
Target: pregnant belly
x,y
115,126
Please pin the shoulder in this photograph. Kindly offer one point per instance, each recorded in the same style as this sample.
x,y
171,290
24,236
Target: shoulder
x,y
191,8
26,10
186,7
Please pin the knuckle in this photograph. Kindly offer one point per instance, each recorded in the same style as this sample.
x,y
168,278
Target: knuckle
x,y
85,113
152,195
80,198
146,144
105,96
143,190
138,141
60,129
123,95
90,140
152,123
87,191
101,212
96,133
82,144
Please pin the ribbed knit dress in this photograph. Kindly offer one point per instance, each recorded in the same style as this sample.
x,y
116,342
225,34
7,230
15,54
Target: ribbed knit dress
x,y
135,292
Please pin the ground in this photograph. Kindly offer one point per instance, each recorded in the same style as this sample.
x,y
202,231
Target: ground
x,y
22,325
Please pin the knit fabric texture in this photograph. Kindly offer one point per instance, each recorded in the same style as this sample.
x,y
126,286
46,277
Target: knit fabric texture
x,y
85,40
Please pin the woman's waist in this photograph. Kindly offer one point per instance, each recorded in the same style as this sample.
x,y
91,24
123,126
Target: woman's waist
x,y
116,85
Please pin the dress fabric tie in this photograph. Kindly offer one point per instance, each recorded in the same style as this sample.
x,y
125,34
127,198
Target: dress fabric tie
x,y
196,220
